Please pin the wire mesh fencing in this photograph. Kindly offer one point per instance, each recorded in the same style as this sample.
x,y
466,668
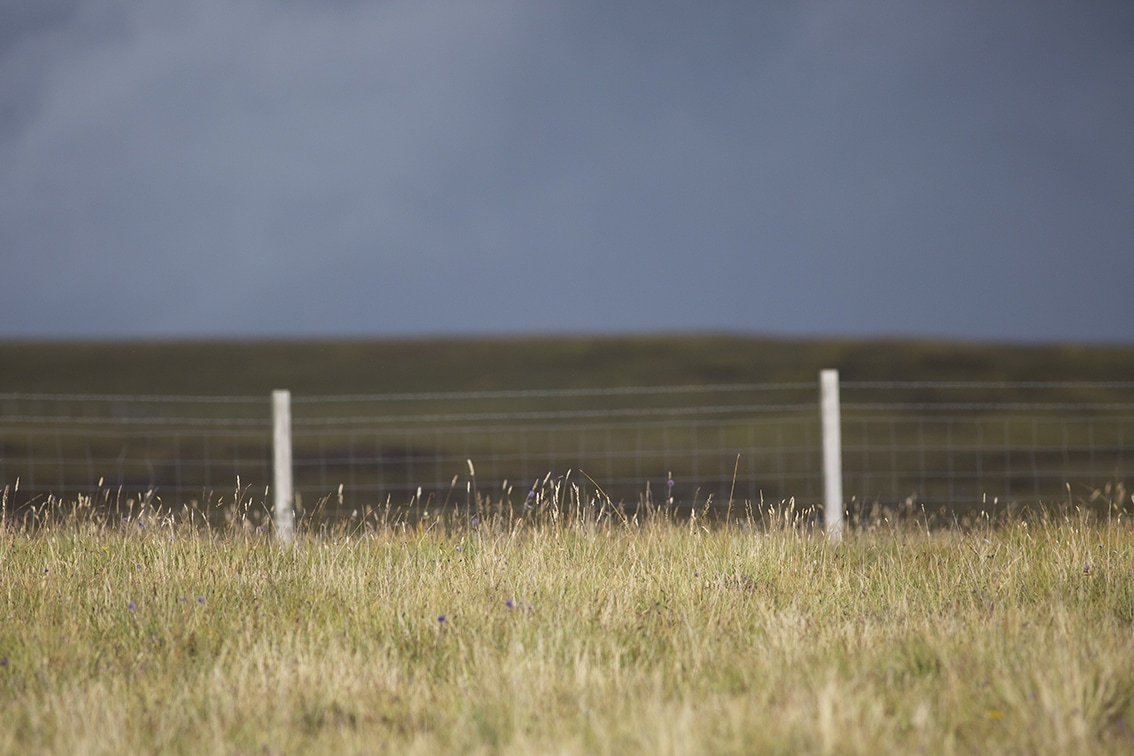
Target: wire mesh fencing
x,y
689,445
131,448
962,446
984,444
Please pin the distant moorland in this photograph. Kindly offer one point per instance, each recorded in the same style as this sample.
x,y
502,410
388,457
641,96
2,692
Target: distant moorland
x,y
331,366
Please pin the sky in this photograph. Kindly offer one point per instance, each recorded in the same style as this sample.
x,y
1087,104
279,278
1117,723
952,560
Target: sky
x,y
304,168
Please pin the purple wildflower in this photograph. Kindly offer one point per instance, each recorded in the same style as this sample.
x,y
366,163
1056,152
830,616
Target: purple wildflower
x,y
440,617
130,605
509,603
4,662
200,599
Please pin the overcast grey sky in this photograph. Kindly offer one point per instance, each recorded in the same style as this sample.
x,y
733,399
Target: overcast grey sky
x,y
398,167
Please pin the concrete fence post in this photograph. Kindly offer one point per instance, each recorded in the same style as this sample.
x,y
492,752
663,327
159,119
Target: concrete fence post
x,y
832,454
281,448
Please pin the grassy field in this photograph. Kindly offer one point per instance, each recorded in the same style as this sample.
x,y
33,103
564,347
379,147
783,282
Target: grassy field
x,y
558,626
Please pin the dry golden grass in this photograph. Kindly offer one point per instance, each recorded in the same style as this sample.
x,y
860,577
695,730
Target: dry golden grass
x,y
568,631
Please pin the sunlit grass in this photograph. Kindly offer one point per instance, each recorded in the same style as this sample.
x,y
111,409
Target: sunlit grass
x,y
555,625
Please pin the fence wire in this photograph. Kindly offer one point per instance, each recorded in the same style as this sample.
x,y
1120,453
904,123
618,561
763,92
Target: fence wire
x,y
943,444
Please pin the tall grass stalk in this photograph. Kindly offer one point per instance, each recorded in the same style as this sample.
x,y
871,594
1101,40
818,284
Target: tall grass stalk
x,y
564,626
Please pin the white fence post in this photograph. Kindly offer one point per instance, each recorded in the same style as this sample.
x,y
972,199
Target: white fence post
x,y
281,446
832,454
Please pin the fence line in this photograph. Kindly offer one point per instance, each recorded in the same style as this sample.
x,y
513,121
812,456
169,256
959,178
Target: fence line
x,y
937,444
555,393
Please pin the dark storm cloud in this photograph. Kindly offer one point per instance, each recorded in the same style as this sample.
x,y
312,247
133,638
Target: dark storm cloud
x,y
397,167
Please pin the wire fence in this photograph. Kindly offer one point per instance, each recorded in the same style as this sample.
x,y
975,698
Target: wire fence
x,y
960,446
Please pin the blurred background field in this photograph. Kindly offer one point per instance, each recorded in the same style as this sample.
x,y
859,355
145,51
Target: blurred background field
x,y
360,366
689,421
